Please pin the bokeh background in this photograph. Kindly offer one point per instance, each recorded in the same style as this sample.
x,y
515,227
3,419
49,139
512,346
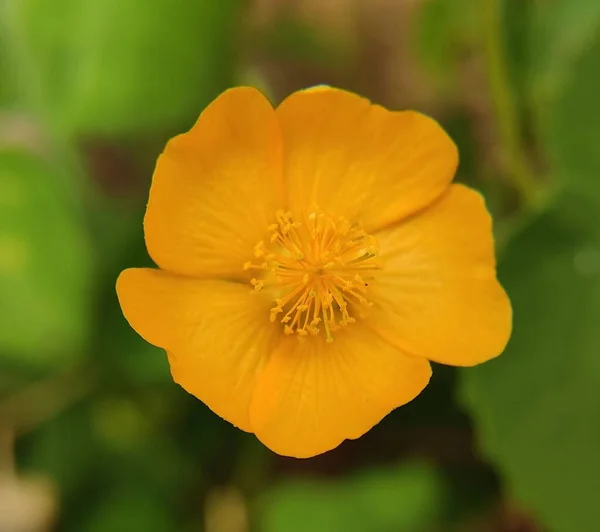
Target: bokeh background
x,y
94,435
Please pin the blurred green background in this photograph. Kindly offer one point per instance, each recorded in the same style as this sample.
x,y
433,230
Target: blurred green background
x,y
94,435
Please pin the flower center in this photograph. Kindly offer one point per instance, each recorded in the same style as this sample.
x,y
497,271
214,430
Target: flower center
x,y
317,268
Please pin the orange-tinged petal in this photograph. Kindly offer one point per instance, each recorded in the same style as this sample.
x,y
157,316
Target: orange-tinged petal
x,y
216,188
437,295
358,160
217,334
313,395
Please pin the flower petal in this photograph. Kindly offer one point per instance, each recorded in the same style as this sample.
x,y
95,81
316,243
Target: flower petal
x,y
216,188
313,395
217,334
359,160
437,295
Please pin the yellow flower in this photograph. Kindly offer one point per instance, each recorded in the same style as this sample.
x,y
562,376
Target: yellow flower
x,y
313,259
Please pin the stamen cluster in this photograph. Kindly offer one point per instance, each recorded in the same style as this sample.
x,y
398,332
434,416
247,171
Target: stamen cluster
x,y
318,267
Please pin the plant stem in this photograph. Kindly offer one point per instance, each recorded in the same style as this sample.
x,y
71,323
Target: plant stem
x,y
505,110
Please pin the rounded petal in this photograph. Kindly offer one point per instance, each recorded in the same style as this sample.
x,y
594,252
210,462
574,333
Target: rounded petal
x,y
351,158
216,188
313,395
437,295
217,334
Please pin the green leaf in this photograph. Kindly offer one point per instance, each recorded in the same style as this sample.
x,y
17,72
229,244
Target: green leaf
x,y
561,32
45,265
554,49
536,407
399,499
120,66
571,126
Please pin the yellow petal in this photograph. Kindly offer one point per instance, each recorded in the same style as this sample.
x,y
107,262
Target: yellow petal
x,y
361,161
437,295
313,395
217,334
216,188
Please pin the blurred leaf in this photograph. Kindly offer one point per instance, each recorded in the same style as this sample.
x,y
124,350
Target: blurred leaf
x,y
158,462
571,125
4,79
45,265
119,347
116,228
66,450
129,508
124,352
139,444
555,51
444,30
103,445
140,362
119,423
120,66
537,406
400,499
562,30
543,38
292,39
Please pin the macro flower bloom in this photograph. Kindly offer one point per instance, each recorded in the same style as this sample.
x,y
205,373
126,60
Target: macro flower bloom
x,y
312,259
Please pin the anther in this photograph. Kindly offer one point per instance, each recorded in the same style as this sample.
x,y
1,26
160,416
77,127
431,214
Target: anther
x,y
317,266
